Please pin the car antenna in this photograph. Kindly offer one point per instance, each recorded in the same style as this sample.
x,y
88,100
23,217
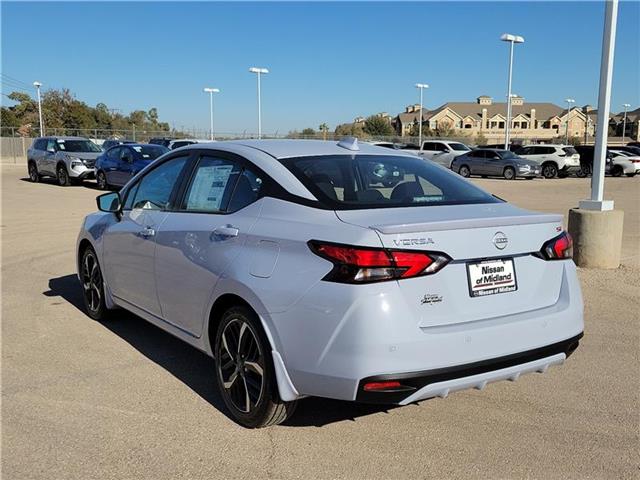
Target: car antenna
x,y
350,143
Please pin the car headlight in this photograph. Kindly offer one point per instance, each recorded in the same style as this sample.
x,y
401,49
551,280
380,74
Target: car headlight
x,y
524,167
76,162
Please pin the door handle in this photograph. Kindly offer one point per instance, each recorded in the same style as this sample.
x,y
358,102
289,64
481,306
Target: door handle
x,y
147,232
226,232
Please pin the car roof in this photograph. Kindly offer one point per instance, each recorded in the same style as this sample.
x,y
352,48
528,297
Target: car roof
x,y
62,137
288,148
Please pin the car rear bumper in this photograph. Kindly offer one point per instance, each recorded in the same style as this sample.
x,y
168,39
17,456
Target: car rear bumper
x,y
333,343
440,382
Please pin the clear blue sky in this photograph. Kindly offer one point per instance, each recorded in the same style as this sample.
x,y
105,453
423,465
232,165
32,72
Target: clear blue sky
x,y
329,62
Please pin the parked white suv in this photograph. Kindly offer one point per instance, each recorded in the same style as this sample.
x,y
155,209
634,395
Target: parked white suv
x,y
556,160
67,159
442,152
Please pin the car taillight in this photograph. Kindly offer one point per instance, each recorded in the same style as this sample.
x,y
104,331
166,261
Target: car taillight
x,y
365,265
558,248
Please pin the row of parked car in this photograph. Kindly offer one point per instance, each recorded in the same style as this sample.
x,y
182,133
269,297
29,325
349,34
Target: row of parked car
x,y
526,161
112,164
73,159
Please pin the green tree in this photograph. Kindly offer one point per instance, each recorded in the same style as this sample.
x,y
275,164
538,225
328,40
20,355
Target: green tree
x,y
377,126
308,132
350,130
481,139
324,128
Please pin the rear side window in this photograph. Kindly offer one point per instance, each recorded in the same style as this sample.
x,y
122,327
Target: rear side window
x,y
344,182
211,185
154,189
40,144
569,150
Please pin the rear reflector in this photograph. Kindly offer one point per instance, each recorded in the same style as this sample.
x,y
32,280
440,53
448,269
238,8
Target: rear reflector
x,y
365,265
378,386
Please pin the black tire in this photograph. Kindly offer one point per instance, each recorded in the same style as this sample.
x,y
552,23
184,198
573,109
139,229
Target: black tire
x,y
509,173
464,171
585,171
549,170
245,372
101,180
631,174
616,171
92,285
34,176
63,176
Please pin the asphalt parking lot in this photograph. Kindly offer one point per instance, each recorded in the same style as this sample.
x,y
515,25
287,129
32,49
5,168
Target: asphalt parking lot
x,y
86,400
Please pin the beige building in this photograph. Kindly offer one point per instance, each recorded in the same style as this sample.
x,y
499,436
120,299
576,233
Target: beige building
x,y
484,117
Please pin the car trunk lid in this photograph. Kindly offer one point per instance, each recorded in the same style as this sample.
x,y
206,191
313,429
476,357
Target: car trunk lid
x,y
470,234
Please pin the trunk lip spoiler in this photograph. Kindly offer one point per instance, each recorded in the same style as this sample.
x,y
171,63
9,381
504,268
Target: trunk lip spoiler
x,y
459,224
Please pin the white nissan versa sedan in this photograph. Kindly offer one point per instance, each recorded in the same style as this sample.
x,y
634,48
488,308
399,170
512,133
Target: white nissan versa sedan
x,y
297,266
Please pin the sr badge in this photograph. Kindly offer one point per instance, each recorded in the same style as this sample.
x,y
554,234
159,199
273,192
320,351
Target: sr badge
x,y
430,299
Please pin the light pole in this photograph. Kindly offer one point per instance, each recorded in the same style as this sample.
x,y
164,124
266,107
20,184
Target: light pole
x,y
38,85
421,87
512,39
624,123
211,91
259,71
569,102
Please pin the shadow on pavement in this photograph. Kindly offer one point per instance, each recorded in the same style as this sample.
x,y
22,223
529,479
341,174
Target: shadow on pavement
x,y
91,184
195,368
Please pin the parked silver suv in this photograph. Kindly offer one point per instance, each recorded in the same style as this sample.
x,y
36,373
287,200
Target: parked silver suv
x,y
68,159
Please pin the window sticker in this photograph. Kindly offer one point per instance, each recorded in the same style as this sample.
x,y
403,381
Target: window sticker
x,y
208,187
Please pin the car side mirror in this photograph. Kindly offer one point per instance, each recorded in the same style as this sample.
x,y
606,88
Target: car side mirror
x,y
109,202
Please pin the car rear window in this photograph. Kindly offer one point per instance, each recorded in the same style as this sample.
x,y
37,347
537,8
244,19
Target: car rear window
x,y
345,182
460,147
149,152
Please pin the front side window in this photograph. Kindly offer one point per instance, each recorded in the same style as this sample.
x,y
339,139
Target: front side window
x,y
52,146
114,153
153,191
343,182
78,146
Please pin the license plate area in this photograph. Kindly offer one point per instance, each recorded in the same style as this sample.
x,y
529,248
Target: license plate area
x,y
491,277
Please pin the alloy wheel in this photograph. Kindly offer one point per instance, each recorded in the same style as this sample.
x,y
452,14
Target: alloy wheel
x,y
63,177
241,365
464,171
102,181
549,171
509,174
33,173
91,282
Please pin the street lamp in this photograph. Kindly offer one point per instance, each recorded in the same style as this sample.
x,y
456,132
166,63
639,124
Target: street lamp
x,y
259,71
624,123
507,37
38,85
421,87
569,102
211,91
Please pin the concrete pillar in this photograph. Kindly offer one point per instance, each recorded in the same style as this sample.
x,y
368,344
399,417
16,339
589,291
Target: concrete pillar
x,y
597,237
